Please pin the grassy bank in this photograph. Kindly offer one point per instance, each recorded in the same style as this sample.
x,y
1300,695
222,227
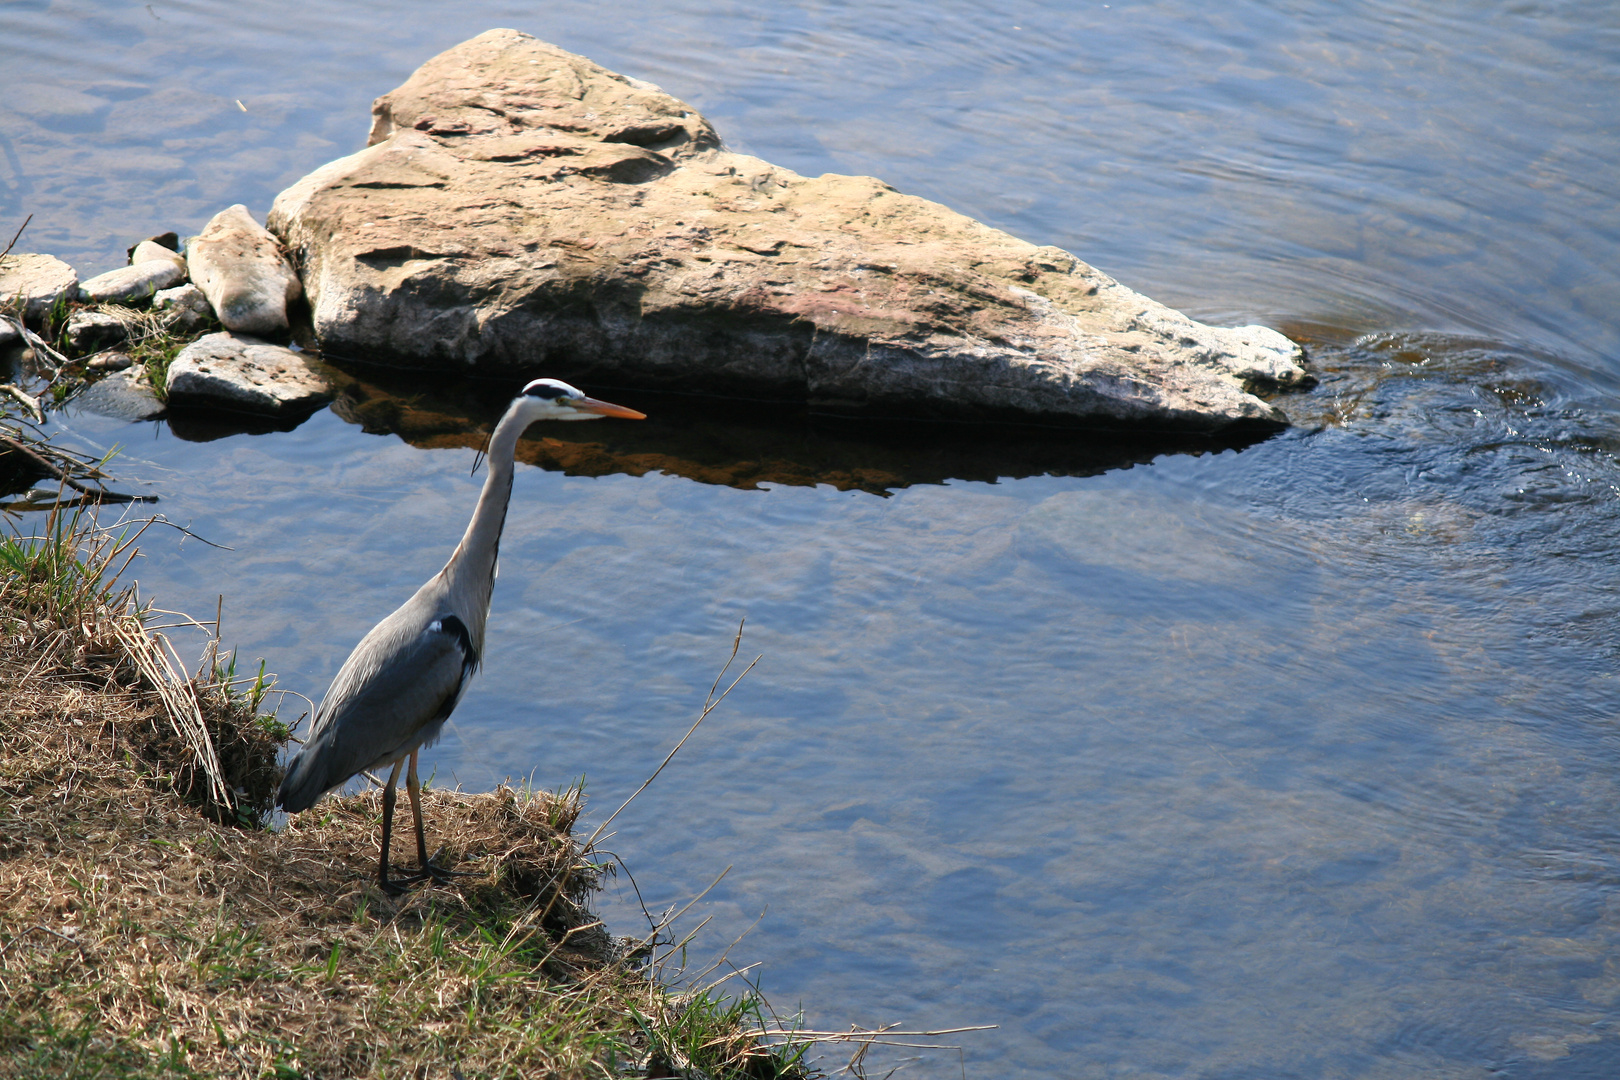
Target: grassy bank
x,y
151,926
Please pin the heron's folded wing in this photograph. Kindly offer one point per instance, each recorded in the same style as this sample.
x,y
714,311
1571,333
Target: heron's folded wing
x,y
389,689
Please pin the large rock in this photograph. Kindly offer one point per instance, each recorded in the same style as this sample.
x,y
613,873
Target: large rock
x,y
227,372
522,209
34,284
240,268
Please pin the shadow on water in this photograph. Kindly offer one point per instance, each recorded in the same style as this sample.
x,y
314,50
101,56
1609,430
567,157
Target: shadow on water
x,y
724,441
743,444
203,425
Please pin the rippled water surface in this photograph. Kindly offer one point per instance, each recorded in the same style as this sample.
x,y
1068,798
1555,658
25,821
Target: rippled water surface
x,y
1297,759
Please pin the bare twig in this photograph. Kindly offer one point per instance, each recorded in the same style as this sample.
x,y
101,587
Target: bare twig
x,y
53,471
866,1040
44,930
159,519
856,1035
14,239
41,350
307,701
709,705
30,403
666,921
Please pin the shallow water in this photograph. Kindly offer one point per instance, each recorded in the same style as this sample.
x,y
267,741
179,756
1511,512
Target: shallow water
x,y
1295,759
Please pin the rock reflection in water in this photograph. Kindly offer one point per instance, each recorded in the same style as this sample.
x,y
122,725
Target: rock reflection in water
x,y
207,425
744,444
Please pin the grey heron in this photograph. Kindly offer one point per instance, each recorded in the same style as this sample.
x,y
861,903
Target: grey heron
x,y
393,694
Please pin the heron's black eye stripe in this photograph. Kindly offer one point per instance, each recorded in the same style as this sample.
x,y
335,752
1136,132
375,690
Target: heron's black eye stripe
x,y
547,392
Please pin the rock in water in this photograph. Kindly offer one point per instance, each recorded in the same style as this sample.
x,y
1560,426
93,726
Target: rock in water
x,y
35,283
186,306
149,250
240,268
124,395
165,240
110,361
87,331
132,284
522,209
228,372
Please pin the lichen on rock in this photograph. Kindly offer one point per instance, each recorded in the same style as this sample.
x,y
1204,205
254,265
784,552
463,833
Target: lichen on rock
x,y
245,375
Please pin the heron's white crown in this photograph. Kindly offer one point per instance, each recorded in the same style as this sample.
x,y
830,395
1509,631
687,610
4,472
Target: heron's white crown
x,y
552,399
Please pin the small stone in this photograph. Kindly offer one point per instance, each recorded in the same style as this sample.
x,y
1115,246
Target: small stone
x,y
10,336
151,251
110,361
131,284
188,309
88,331
169,240
241,269
239,373
35,283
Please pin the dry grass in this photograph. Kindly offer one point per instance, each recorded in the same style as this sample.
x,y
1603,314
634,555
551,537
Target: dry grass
x,y
149,929
152,339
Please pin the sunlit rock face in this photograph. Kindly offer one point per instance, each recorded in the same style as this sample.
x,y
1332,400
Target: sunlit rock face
x,y
521,209
32,284
243,374
240,269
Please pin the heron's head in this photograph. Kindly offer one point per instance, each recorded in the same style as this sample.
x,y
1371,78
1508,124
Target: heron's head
x,y
553,399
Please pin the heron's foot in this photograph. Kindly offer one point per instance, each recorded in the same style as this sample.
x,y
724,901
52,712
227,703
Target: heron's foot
x,y
393,886
438,874
441,875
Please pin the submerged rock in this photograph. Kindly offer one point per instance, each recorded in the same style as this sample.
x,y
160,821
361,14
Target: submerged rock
x,y
240,268
123,395
228,372
521,209
35,284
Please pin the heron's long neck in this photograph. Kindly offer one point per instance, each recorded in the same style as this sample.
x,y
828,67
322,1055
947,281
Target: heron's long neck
x,y
471,569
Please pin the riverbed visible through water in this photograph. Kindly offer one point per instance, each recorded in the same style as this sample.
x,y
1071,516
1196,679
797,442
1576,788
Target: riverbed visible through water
x,y
1295,759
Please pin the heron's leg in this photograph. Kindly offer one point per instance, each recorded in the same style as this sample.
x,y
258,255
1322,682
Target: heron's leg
x,y
388,828
414,787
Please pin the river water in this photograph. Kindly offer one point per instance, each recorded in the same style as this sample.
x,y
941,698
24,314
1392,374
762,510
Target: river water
x,y
1292,760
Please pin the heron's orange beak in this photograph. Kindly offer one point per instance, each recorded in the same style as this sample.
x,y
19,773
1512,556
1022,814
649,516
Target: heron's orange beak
x,y
603,408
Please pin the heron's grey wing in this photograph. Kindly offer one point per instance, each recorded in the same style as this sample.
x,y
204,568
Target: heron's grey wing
x,y
393,686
